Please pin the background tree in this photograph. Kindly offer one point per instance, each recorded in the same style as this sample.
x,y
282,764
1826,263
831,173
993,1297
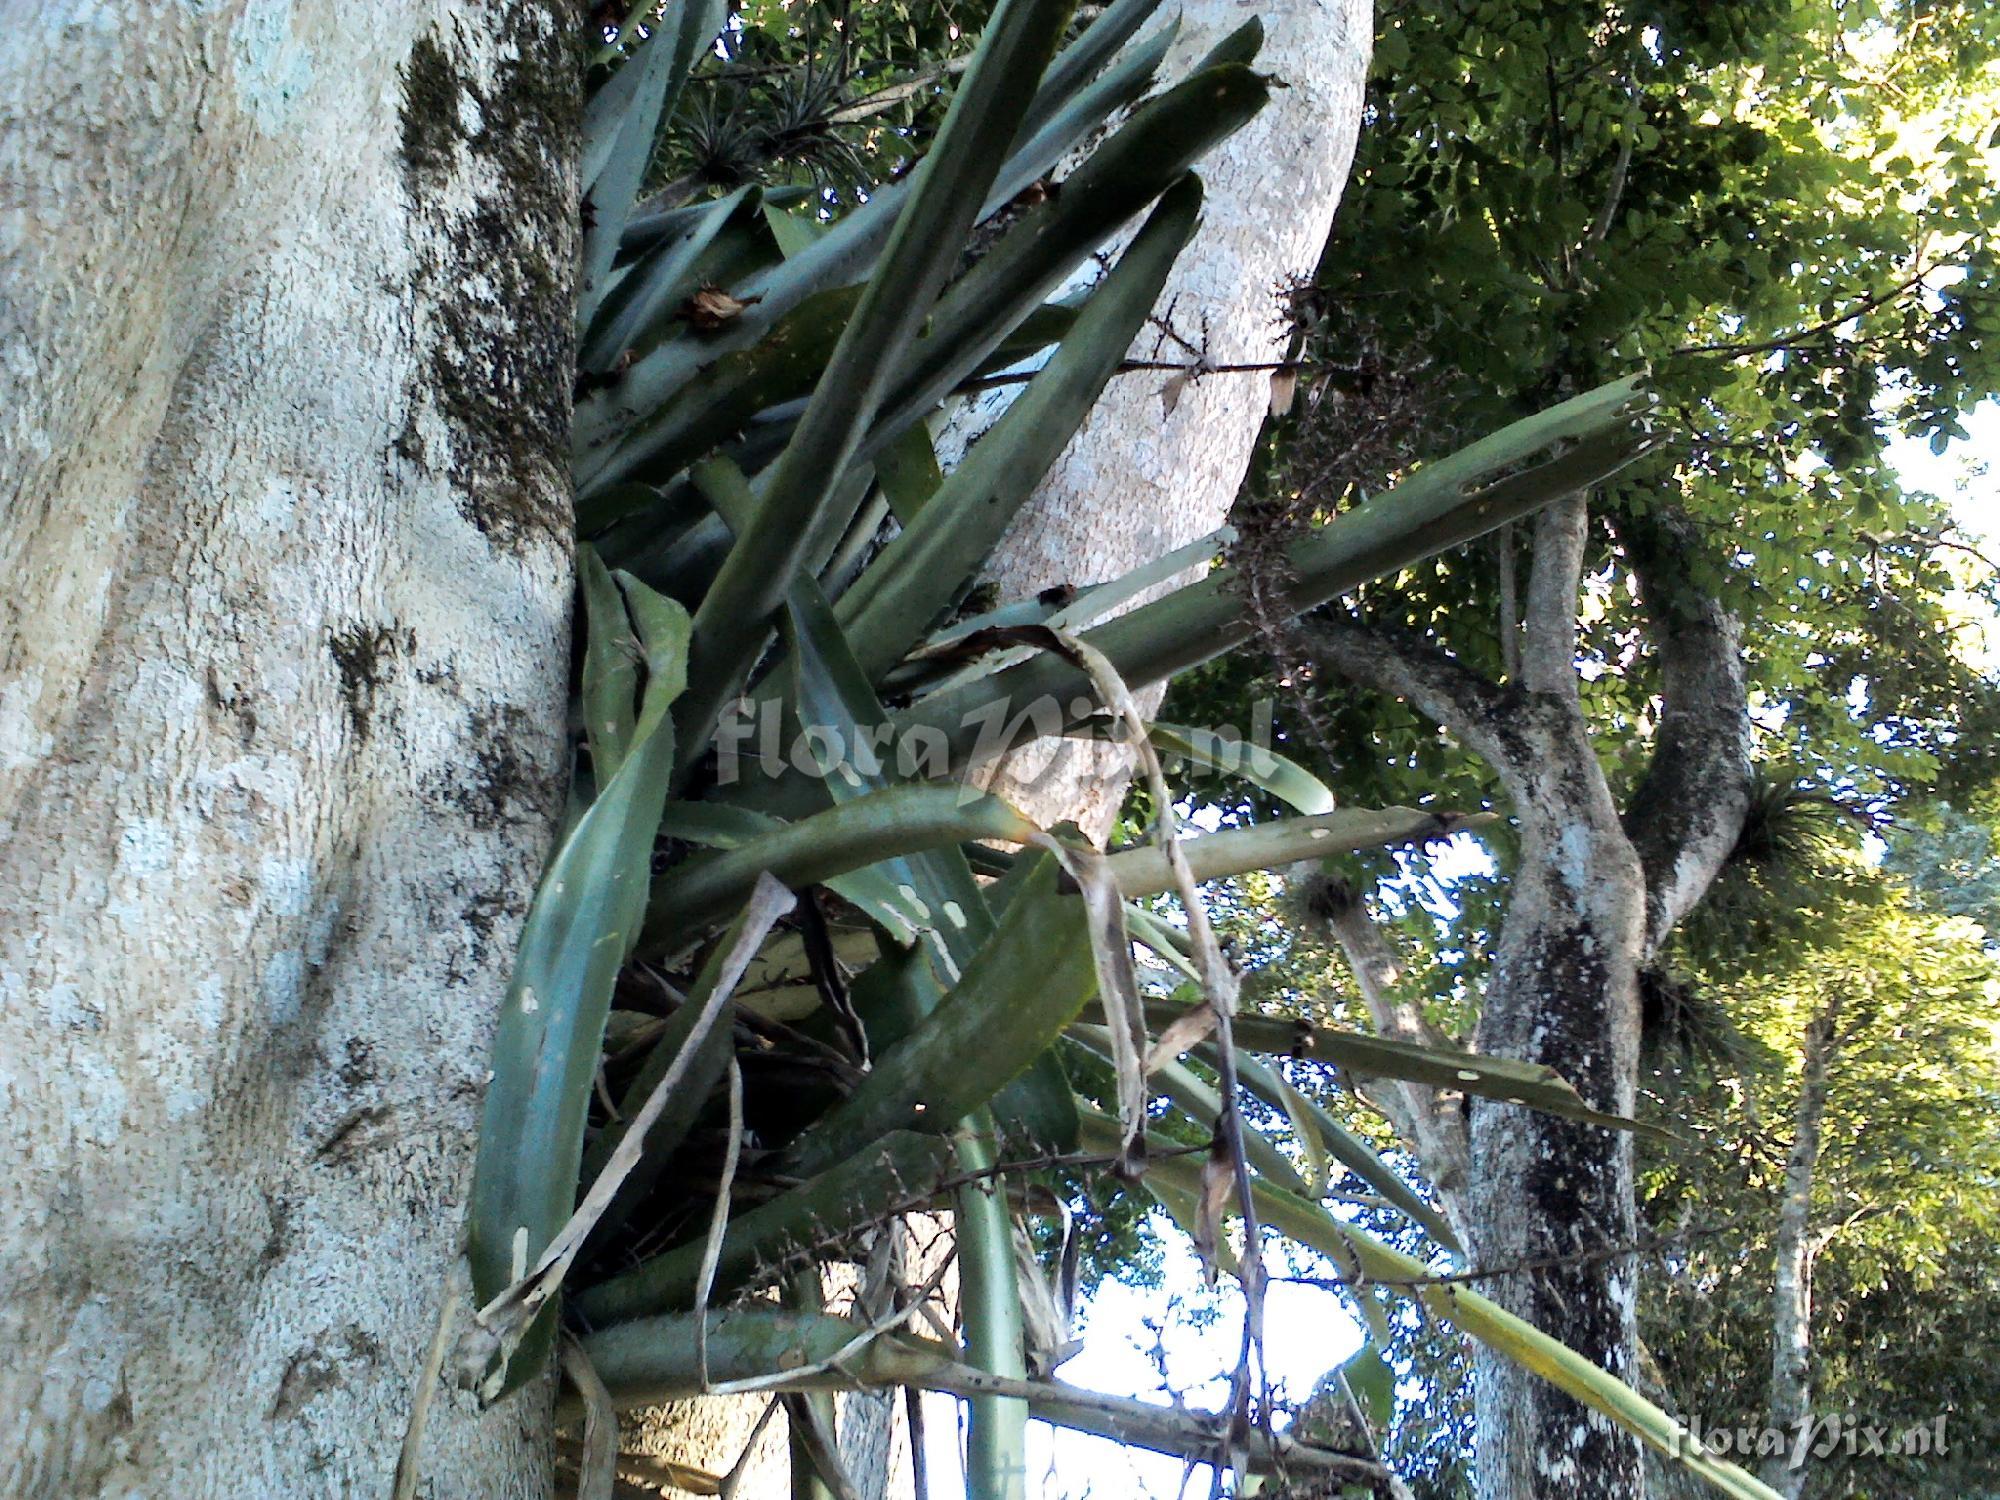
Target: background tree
x,y
1833,1050
1786,211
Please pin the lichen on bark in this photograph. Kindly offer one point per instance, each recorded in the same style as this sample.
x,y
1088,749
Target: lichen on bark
x,y
504,350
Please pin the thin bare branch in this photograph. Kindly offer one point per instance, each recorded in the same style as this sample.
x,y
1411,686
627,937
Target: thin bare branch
x,y
1431,1123
1818,330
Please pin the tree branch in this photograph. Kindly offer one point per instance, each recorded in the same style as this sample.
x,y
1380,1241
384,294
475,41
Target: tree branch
x,y
1548,646
1432,1124
1608,214
647,1361
1441,686
1688,810
1789,1389
1866,304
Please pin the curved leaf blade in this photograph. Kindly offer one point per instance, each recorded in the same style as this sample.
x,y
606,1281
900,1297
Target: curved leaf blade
x,y
942,547
583,922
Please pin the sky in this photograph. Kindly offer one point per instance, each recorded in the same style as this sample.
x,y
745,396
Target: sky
x,y
1967,475
1308,1331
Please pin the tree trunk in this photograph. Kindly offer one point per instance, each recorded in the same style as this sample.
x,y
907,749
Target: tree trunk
x,y
1538,1192
1549,1195
1431,1123
1790,1397
1160,461
1594,895
287,349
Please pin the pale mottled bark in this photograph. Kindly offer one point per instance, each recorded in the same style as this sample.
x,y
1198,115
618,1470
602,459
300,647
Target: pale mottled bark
x,y
1595,893
1140,479
1789,1398
285,344
1562,992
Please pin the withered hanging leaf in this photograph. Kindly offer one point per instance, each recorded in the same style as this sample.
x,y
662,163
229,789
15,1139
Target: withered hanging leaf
x,y
1117,991
1284,387
597,1460
1192,1026
1218,1184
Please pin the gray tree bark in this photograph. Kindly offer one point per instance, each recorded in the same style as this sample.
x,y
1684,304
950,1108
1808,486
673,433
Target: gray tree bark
x,y
284,363
1790,1389
1594,895
1432,1123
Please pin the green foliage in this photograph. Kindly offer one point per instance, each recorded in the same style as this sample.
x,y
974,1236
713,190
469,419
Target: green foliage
x,y
584,921
746,376
844,96
1905,1212
1787,212
1952,861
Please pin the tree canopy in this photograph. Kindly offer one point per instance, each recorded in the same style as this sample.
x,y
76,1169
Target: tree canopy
x,y
1786,212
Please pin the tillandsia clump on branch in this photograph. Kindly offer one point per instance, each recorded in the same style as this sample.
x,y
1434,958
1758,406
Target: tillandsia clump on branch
x,y
766,1003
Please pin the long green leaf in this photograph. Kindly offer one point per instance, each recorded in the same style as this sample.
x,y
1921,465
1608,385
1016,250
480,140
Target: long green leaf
x,y
1502,1078
896,906
610,667
844,255
1483,1319
722,400
620,124
1143,871
730,626
1349,1150
1088,608
875,1180
583,922
828,689
939,551
908,472
1148,154
1438,507
978,315
883,825
1005,1012
1281,776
